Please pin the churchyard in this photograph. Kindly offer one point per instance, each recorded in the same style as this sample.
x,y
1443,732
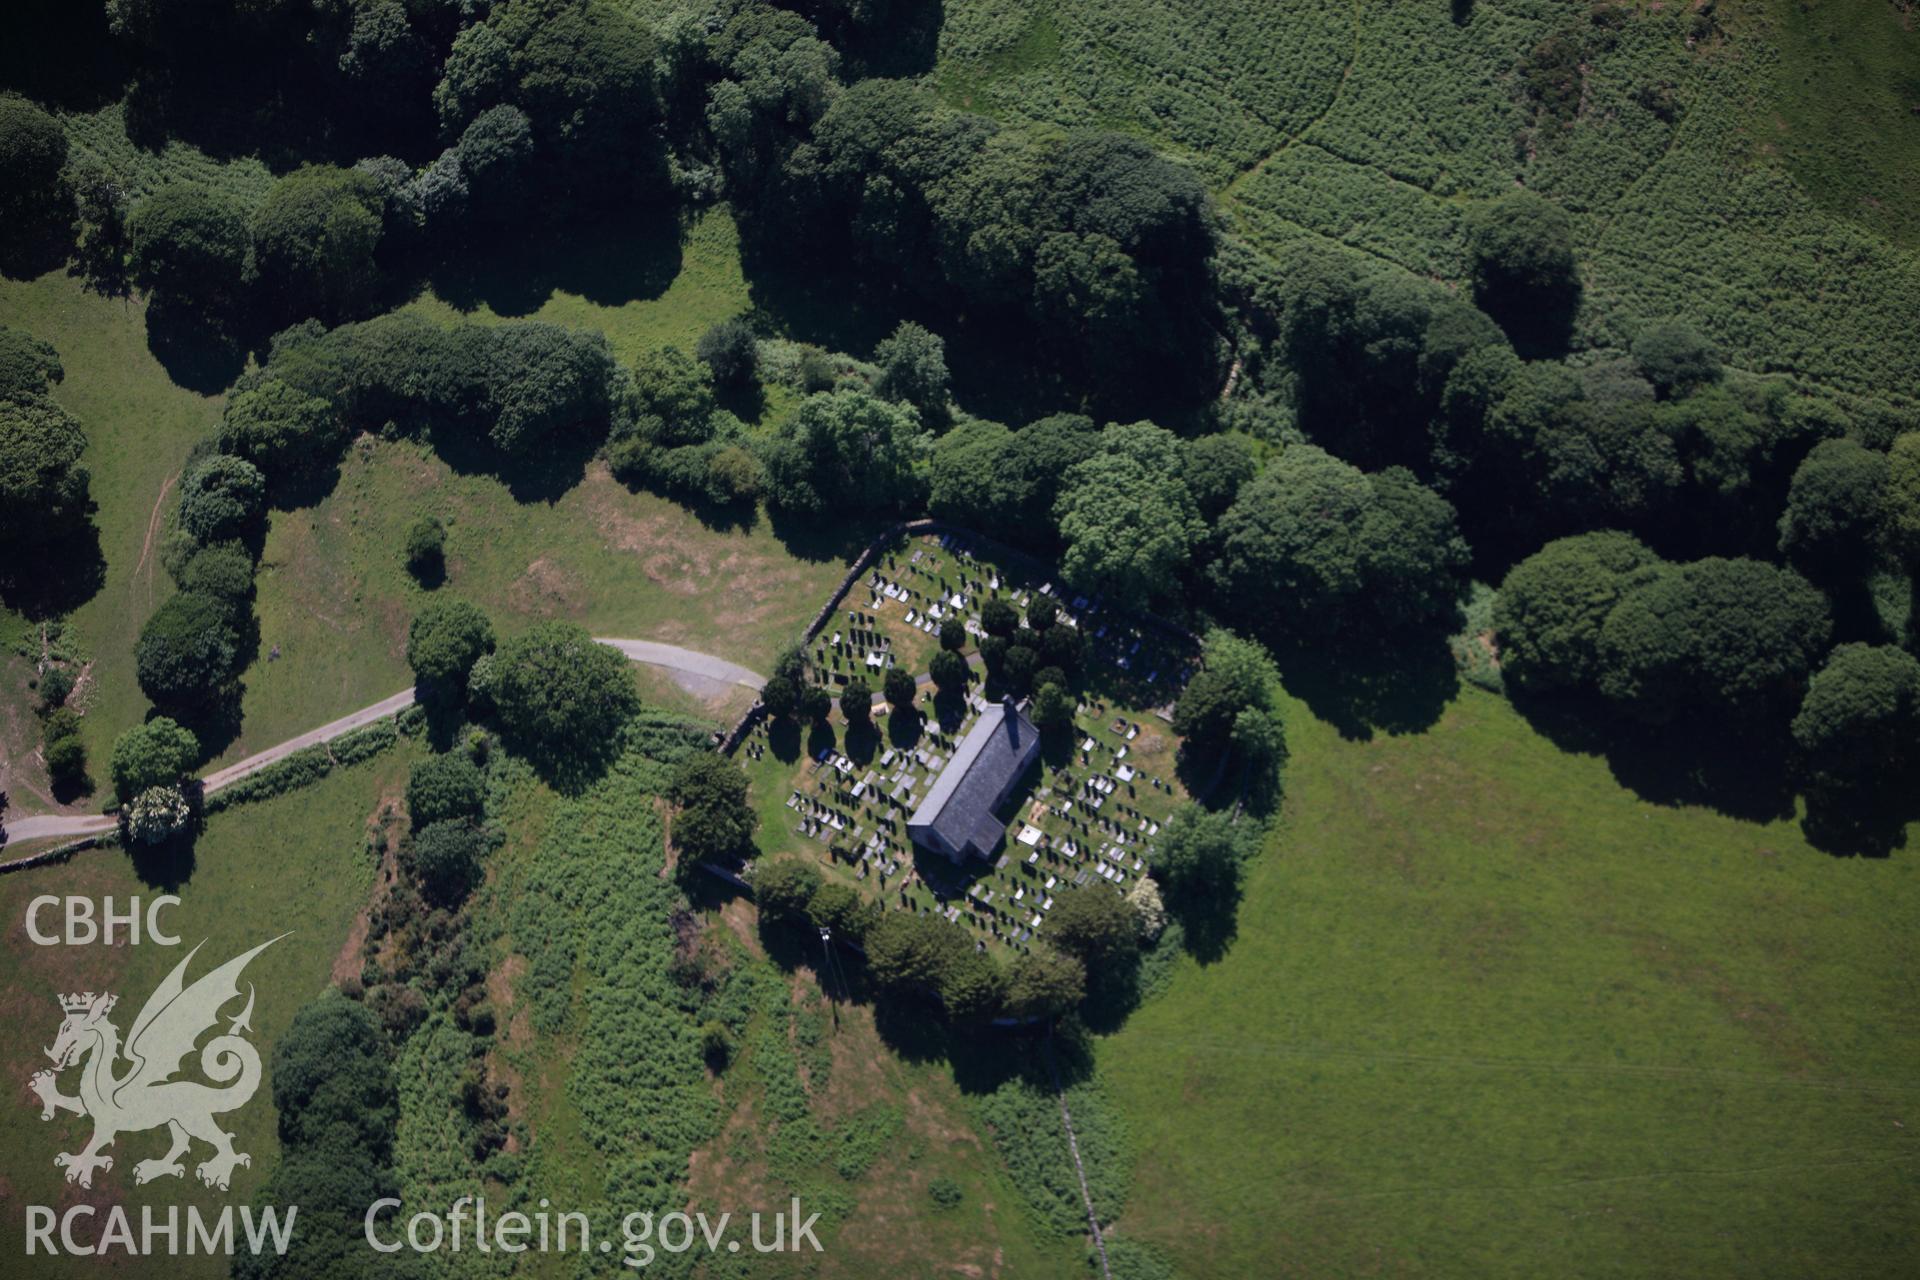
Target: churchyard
x,y
841,793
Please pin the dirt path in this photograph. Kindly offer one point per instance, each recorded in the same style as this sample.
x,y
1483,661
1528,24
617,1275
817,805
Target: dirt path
x,y
146,548
652,653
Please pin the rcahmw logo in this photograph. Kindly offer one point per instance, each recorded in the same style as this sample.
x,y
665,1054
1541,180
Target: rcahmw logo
x,y
129,1086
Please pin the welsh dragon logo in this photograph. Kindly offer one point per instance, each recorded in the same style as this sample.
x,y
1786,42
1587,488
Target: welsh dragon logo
x,y
144,1095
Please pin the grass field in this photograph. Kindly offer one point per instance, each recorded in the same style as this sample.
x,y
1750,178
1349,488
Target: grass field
x,y
334,595
1489,1014
139,427
643,291
817,1105
1857,153
298,862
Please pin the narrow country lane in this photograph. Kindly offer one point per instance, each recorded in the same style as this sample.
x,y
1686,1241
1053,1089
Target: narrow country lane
x,y
648,652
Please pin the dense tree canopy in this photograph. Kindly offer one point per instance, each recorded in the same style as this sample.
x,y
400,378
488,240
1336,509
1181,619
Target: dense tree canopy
x,y
780,696
989,477
1127,517
949,671
1215,469
1553,604
444,787
675,396
1094,924
447,856
1315,544
44,491
1674,357
584,73
783,887
332,1086
1371,351
1903,499
1523,263
1045,982
157,753
845,450
1859,724
557,689
314,243
1835,510
1234,675
731,351
281,430
547,380
900,688
444,640
907,951
191,244
713,818
1733,635
186,651
1197,854
33,151
28,365
913,369
222,497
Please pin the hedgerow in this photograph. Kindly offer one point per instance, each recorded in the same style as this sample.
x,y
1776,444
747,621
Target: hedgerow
x,y
300,769
307,766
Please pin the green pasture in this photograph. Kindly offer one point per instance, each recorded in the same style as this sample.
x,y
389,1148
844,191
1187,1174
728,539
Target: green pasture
x,y
298,862
336,598
1488,1013
139,428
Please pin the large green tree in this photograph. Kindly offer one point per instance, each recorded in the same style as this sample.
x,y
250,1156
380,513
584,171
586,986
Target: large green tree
x,y
584,71
189,244
282,431
44,491
1550,609
1717,634
1093,923
444,640
444,787
1317,545
1859,724
783,887
562,692
547,381
1524,271
186,651
314,238
1127,517
989,477
222,497
446,856
157,753
1045,982
845,450
29,366
1836,509
907,951
1197,855
1903,498
33,153
913,369
713,817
